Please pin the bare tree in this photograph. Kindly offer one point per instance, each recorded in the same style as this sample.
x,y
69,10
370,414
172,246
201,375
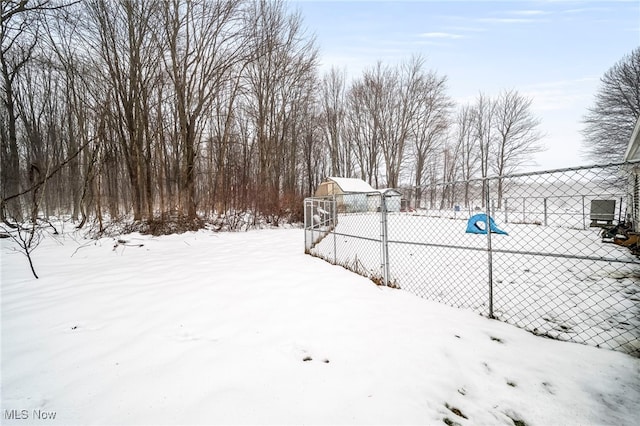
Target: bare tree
x,y
19,28
224,150
609,123
466,148
204,44
364,99
484,112
26,237
29,111
317,164
393,114
450,169
517,135
277,81
429,124
385,103
63,35
126,46
333,104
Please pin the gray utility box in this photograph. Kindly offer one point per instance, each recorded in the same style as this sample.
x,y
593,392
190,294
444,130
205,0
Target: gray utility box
x,y
602,212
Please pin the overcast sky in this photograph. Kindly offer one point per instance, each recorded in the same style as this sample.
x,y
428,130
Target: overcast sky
x,y
554,51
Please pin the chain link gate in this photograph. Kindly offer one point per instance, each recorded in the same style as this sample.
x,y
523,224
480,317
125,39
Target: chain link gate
x,y
348,230
554,271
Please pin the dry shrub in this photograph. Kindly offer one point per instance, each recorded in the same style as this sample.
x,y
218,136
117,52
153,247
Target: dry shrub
x,y
171,223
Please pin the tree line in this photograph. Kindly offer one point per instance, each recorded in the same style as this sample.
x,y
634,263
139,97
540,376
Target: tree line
x,y
196,108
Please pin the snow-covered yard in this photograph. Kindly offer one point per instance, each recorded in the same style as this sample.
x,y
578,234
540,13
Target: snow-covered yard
x,y
559,282
206,328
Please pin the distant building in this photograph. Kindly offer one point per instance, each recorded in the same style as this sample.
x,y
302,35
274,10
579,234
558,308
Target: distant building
x,y
350,193
393,199
355,195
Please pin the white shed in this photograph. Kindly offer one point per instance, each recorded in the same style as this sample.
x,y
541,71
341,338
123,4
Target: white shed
x,y
351,194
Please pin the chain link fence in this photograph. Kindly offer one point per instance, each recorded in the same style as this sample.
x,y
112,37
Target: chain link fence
x,y
549,265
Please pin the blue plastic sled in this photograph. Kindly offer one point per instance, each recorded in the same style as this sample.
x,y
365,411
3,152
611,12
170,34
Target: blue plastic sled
x,y
478,225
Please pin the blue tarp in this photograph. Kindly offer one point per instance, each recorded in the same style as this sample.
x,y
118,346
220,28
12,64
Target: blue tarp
x,y
478,225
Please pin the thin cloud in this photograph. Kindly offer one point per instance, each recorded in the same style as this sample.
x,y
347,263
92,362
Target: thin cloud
x,y
522,16
441,35
562,94
508,20
422,42
586,10
528,12
467,29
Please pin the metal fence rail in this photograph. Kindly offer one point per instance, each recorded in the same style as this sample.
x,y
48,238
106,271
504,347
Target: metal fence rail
x,y
551,272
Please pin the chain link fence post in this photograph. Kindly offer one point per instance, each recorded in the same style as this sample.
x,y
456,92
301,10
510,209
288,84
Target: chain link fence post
x,y
384,240
489,251
308,215
334,214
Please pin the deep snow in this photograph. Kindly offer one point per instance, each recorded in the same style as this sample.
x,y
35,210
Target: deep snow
x,y
206,328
